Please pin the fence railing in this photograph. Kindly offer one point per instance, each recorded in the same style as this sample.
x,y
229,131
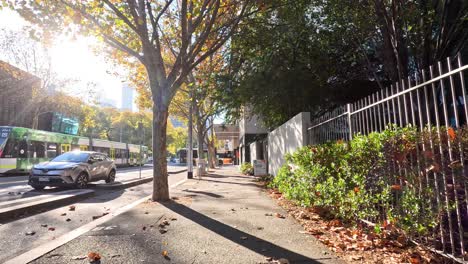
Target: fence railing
x,y
435,102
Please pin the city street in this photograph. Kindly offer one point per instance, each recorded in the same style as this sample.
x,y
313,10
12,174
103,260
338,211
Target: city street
x,y
30,231
16,187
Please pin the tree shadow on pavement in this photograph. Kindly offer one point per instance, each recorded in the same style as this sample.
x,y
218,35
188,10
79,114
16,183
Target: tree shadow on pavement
x,y
229,182
210,194
241,238
216,175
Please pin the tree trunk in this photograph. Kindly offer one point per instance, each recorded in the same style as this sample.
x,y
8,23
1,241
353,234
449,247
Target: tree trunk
x,y
200,145
212,154
160,181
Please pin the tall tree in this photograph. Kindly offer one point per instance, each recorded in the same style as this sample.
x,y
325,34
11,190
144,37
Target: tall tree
x,y
169,38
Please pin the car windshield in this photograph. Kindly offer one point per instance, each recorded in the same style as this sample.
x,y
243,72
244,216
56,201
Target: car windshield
x,y
72,157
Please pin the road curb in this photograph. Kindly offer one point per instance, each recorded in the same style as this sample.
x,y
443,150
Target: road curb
x,y
14,211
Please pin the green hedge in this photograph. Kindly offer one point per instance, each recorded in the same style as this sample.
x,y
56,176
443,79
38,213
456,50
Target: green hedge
x,y
385,177
246,168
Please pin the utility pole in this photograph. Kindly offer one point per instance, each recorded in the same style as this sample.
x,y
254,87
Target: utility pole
x,y
190,143
140,128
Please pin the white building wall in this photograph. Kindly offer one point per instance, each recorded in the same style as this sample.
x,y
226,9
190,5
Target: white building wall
x,y
286,139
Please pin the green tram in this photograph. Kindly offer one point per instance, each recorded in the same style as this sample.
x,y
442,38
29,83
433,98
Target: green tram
x,y
21,148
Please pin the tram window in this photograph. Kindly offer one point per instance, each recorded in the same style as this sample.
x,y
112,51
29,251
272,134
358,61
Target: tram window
x,y
11,149
51,150
37,149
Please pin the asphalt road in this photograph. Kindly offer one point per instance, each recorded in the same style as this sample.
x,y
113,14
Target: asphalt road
x,y
16,187
21,235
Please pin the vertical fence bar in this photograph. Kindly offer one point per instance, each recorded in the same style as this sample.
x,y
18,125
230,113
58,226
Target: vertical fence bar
x,y
462,83
379,115
384,116
350,128
399,105
368,115
405,103
446,193
454,180
392,92
374,112
413,113
431,144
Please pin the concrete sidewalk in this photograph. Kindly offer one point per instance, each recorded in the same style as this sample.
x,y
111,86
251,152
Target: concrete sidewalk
x,y
223,218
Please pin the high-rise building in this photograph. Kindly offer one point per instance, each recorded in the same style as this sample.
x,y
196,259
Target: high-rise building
x,y
127,97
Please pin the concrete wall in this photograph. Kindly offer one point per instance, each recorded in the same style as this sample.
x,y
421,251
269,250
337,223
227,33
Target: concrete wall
x,y
286,139
253,152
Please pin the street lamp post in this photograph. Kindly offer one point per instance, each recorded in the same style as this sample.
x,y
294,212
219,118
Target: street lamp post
x,y
142,134
190,143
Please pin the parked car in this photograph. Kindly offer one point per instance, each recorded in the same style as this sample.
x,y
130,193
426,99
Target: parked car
x,y
76,169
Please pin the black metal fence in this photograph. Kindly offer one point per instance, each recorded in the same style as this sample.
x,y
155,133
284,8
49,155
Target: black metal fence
x,y
435,102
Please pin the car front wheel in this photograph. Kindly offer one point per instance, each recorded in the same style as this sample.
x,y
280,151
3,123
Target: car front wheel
x,y
82,181
111,177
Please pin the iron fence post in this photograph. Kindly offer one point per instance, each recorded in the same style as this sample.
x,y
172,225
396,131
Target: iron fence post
x,y
350,127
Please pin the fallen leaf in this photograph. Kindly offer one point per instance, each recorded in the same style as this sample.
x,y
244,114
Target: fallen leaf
x,y
146,212
68,220
280,215
71,208
335,223
144,228
116,256
44,225
259,228
30,233
173,219
244,238
64,214
51,229
96,217
415,259
94,256
268,214
165,254
162,230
